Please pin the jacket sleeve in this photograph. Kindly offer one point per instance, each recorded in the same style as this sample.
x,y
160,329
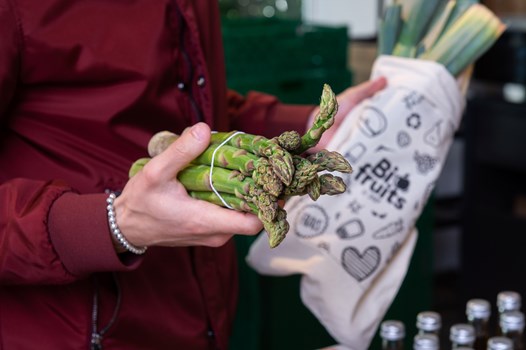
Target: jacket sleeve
x,y
51,235
48,234
263,114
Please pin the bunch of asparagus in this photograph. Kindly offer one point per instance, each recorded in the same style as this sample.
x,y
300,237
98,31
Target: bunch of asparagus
x,y
251,173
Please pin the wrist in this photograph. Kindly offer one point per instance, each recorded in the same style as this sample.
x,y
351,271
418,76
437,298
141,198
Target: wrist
x,y
120,242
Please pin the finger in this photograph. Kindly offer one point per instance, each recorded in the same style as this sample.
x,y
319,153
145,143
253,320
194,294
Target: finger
x,y
186,148
219,220
214,241
366,89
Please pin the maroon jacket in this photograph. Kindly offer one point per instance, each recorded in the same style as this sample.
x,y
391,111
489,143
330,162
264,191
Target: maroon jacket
x,y
83,86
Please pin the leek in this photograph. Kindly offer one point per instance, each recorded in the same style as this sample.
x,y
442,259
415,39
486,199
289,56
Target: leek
x,y
438,27
453,33
389,29
414,28
461,7
471,35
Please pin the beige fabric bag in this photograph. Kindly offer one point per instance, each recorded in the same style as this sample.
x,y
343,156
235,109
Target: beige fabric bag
x,y
353,249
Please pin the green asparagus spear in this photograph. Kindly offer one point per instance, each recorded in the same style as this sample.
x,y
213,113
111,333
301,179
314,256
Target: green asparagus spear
x,y
236,203
197,178
305,172
227,157
314,189
277,229
280,159
330,161
289,140
137,166
266,178
323,120
331,185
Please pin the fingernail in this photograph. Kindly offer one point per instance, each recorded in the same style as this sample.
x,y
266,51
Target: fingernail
x,y
198,132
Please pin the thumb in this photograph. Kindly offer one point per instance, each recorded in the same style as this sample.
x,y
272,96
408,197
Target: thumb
x,y
182,151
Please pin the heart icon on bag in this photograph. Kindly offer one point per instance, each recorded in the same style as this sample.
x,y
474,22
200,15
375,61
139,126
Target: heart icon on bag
x,y
361,266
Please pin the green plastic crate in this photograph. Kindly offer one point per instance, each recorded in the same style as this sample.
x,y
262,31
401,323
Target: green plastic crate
x,y
260,46
295,87
325,47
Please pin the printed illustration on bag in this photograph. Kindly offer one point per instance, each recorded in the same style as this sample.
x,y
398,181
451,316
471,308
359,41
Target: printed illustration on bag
x,y
414,121
389,230
383,182
439,133
424,162
378,214
372,122
403,139
355,206
311,221
351,229
383,148
355,153
413,99
361,265
433,137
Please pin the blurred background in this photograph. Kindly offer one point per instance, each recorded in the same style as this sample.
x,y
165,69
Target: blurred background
x,y
472,231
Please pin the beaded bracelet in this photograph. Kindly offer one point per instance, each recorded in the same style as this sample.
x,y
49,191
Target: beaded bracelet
x,y
115,229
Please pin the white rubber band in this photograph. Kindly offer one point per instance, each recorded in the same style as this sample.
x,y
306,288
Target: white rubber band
x,y
212,167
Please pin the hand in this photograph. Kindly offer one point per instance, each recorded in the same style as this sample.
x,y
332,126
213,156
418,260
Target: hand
x,y
154,208
347,100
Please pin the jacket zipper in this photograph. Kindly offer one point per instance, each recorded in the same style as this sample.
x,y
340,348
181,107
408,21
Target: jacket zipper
x,y
188,61
212,341
96,335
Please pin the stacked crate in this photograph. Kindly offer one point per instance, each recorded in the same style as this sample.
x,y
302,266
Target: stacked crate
x,y
286,58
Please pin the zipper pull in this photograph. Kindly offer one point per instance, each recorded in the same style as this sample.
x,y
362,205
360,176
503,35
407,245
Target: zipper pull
x,y
96,341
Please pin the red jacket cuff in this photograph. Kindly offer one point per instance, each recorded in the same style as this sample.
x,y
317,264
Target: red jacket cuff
x,y
287,117
79,231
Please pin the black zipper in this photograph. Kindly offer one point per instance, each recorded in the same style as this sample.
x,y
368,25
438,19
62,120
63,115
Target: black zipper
x,y
96,335
188,62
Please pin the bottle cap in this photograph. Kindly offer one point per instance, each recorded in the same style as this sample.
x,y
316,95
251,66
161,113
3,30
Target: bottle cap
x,y
508,301
428,321
512,321
392,330
500,343
478,308
426,342
461,333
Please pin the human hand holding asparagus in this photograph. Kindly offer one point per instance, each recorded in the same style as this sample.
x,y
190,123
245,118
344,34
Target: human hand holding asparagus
x,y
154,208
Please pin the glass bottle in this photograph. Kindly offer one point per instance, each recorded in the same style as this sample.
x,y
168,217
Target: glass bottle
x,y
392,333
499,343
462,335
508,301
511,325
426,342
428,322
478,312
